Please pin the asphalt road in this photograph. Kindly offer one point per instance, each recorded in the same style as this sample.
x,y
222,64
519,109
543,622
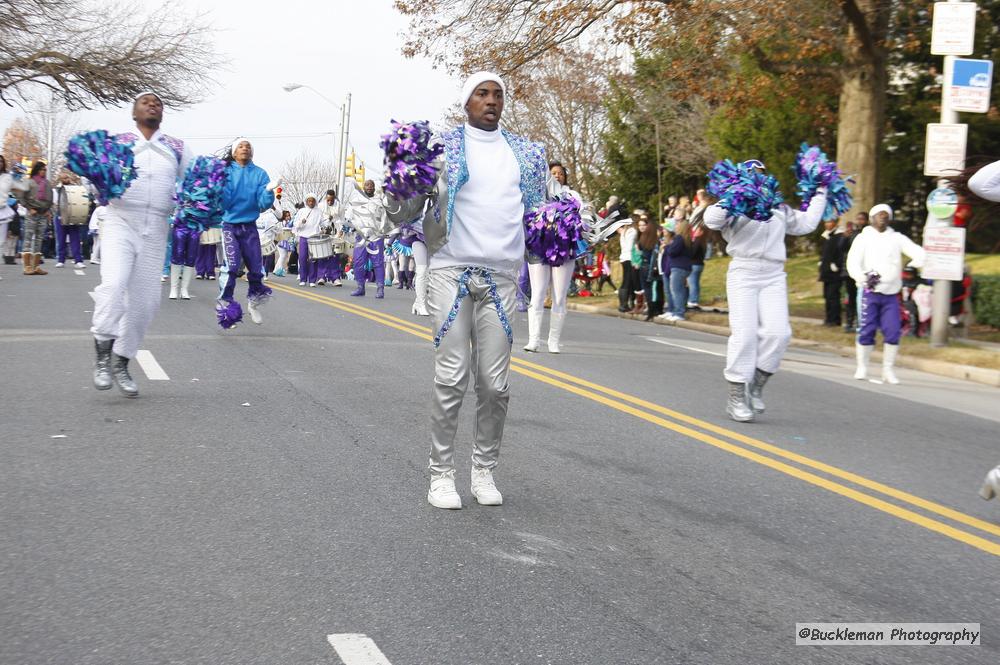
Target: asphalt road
x,y
271,492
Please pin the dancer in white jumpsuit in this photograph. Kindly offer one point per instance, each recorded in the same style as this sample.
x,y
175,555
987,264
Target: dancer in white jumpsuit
x,y
757,290
133,244
985,183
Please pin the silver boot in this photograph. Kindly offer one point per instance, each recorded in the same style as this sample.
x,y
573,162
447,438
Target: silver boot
x,y
119,370
102,366
738,408
760,377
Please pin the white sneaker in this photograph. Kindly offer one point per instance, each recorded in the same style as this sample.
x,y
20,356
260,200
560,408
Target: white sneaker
x,y
302,283
95,262
265,278
79,264
60,264
255,314
442,493
337,282
312,285
484,489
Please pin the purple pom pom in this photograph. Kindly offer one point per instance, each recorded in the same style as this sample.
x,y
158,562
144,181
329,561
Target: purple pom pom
x,y
229,313
409,160
554,230
814,170
107,163
742,190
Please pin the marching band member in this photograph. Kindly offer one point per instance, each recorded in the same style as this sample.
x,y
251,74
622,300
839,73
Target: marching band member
x,y
248,190
489,178
307,224
134,230
758,296
186,244
64,231
368,217
875,263
540,274
331,269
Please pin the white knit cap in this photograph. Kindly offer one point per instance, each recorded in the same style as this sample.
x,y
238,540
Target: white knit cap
x,y
147,92
310,195
476,80
881,207
232,146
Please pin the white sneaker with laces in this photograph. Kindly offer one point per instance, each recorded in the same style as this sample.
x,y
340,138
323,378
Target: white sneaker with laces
x,y
442,493
79,264
484,489
60,264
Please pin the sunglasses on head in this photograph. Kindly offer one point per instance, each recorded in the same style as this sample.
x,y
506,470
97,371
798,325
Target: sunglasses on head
x,y
754,164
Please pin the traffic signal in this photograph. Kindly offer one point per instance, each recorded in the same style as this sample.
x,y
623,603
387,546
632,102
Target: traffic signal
x,y
349,167
359,175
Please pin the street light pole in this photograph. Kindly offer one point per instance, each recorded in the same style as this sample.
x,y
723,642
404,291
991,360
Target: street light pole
x,y
345,136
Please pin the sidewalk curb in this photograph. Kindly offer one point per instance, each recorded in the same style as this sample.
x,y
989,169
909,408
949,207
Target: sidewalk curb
x,y
989,377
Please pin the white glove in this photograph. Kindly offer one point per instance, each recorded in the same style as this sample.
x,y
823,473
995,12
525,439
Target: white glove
x,y
271,186
834,268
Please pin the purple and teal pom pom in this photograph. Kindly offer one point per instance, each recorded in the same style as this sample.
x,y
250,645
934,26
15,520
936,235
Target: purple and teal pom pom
x,y
107,163
410,154
199,195
554,230
813,170
745,191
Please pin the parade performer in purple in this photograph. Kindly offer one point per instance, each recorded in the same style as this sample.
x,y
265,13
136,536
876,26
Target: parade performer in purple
x,y
248,190
474,229
183,257
367,215
134,231
875,263
307,224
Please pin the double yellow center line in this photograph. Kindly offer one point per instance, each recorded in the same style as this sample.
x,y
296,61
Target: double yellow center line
x,y
733,442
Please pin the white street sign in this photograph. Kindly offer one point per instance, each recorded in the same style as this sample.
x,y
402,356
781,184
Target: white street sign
x,y
944,152
945,248
954,28
970,85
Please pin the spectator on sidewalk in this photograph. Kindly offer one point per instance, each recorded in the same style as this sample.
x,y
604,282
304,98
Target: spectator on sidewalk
x,y
649,272
626,239
850,286
831,271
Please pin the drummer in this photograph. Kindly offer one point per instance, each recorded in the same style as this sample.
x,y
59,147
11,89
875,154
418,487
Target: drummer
x,y
63,228
268,225
331,268
307,224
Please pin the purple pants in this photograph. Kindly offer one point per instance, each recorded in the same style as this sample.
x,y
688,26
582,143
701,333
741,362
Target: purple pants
x,y
308,268
330,268
524,281
184,251
71,231
369,265
879,310
242,245
204,265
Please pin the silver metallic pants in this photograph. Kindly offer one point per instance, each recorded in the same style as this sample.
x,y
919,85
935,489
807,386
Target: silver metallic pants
x,y
475,345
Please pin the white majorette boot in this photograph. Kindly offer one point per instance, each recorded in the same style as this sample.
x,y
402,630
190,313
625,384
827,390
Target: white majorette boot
x,y
420,288
442,493
556,322
186,274
889,353
991,486
738,407
864,354
175,280
534,324
483,488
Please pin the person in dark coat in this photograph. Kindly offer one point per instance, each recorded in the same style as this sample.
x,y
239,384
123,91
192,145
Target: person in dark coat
x,y
831,271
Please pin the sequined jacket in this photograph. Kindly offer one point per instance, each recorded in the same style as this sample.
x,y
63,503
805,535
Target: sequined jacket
x,y
453,173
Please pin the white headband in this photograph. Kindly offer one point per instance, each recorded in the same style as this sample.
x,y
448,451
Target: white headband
x,y
478,79
881,207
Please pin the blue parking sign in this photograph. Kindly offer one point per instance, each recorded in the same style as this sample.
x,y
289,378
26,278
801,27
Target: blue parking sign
x,y
971,81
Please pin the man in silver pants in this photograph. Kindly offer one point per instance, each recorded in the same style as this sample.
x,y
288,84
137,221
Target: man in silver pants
x,y
474,234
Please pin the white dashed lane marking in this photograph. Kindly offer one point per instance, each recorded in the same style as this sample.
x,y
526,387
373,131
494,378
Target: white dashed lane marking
x,y
79,272
356,649
686,348
149,365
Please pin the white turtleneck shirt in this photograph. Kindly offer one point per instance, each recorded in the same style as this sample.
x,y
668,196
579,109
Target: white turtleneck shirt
x,y
487,226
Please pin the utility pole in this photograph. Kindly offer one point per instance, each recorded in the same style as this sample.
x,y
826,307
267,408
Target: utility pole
x,y
345,136
659,178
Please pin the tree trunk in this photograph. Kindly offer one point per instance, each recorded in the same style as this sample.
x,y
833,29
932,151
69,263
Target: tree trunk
x,y
861,115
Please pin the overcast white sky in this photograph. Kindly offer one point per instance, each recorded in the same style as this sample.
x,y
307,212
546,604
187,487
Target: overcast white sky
x,y
335,47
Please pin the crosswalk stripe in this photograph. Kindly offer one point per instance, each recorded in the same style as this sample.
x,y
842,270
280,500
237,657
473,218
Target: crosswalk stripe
x,y
357,649
149,365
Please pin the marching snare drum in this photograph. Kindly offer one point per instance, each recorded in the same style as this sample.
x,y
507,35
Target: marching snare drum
x,y
267,246
320,247
211,236
75,208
